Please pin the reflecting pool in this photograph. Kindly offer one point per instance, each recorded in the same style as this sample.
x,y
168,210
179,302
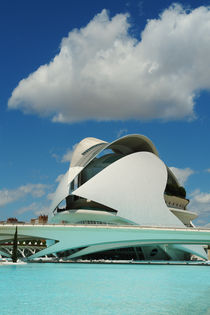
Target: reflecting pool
x,y
48,289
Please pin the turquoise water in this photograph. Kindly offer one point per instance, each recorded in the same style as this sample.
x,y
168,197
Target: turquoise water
x,y
48,289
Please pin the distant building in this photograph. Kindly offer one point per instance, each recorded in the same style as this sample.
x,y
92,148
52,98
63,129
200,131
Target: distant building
x,y
13,221
34,221
42,219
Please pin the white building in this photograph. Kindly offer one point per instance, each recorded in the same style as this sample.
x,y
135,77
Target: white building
x,y
121,184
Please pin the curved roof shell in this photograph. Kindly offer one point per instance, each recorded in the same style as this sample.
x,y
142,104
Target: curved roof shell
x,y
89,148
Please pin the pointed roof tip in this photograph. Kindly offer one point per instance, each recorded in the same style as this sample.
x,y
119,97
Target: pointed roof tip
x,y
83,146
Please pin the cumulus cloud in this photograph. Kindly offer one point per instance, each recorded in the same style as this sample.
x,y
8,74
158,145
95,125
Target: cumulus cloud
x,y
59,177
122,132
42,211
202,198
200,203
56,157
182,174
68,155
51,195
102,72
10,195
207,225
36,208
32,207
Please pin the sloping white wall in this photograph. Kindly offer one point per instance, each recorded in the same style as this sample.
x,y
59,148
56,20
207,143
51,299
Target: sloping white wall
x,y
134,186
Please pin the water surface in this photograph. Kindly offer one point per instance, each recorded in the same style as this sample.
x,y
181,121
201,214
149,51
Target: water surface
x,y
49,289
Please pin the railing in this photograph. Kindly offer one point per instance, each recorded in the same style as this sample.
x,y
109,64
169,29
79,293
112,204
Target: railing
x,y
111,226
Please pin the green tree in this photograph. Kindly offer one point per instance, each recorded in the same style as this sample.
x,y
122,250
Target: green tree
x,y
14,249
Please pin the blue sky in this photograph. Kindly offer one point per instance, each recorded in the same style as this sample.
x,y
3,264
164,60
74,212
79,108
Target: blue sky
x,y
101,69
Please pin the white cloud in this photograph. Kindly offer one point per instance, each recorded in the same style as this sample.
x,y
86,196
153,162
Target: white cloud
x,y
182,174
122,132
51,195
56,157
103,73
201,198
36,208
42,210
200,203
68,155
208,170
59,177
207,226
11,195
32,207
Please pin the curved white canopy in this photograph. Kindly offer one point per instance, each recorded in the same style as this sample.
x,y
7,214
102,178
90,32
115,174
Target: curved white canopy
x,y
89,148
